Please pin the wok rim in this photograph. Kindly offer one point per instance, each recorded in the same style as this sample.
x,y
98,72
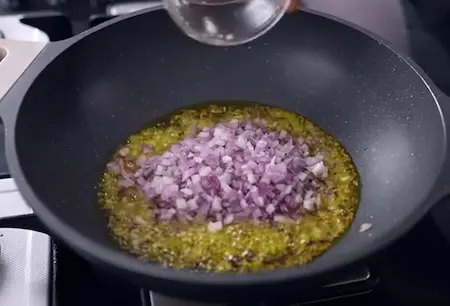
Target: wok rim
x,y
119,260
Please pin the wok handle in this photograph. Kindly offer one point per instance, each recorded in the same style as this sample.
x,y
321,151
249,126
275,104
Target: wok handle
x,y
15,57
14,212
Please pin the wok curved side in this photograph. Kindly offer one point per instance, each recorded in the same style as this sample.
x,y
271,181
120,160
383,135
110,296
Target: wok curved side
x,y
441,209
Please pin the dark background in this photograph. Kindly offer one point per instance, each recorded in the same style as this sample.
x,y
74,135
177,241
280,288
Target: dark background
x,y
419,28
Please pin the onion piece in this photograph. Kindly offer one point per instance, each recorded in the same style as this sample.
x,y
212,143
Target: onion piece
x,y
215,226
233,172
113,167
124,151
125,183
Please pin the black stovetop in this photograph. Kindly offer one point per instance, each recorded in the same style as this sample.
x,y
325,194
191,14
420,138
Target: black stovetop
x,y
415,269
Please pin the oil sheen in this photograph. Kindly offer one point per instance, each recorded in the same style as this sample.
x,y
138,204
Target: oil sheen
x,y
254,247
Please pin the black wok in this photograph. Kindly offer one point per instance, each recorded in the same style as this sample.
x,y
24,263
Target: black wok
x,y
81,97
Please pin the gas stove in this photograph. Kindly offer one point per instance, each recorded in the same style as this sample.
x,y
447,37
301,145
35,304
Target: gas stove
x,y
36,270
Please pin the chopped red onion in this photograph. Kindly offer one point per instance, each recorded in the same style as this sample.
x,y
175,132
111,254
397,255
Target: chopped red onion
x,y
230,173
124,151
215,226
113,167
125,183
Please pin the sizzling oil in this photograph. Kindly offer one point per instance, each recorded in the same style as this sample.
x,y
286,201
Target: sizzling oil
x,y
243,247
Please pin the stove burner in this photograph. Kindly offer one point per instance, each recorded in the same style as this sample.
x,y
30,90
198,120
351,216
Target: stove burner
x,y
355,281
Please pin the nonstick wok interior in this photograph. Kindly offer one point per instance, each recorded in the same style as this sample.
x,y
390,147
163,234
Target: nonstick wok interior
x,y
109,84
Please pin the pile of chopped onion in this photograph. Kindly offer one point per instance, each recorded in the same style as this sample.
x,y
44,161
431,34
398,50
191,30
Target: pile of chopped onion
x,y
232,172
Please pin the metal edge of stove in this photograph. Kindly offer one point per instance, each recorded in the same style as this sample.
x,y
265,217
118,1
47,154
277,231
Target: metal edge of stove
x,y
53,275
162,300
357,275
323,300
145,298
166,301
25,256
